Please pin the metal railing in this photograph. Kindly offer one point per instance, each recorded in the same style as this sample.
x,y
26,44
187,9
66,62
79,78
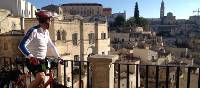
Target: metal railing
x,y
77,72
156,76
145,76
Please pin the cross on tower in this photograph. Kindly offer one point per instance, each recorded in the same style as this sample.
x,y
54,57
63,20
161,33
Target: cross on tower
x,y
197,11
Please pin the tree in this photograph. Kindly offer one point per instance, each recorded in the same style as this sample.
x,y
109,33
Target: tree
x,y
136,15
142,23
119,21
130,22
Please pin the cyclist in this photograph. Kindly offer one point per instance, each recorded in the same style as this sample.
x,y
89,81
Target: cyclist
x,y
34,46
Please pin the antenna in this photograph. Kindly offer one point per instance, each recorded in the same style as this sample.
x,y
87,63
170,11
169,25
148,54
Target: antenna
x,y
197,11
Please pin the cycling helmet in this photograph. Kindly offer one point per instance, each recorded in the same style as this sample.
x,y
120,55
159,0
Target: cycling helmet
x,y
43,16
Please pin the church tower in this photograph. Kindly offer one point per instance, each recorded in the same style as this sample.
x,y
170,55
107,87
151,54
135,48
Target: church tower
x,y
162,10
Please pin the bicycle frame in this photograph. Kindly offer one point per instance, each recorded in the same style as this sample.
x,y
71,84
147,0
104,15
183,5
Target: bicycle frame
x,y
22,79
50,82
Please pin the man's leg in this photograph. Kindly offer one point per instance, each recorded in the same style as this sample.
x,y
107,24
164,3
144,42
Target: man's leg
x,y
39,78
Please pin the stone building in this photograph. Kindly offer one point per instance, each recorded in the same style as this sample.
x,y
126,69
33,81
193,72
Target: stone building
x,y
82,9
9,45
7,22
169,19
107,11
19,8
10,35
195,19
130,38
53,8
77,38
147,56
132,61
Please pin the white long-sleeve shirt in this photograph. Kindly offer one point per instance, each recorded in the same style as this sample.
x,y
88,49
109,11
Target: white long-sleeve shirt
x,y
35,43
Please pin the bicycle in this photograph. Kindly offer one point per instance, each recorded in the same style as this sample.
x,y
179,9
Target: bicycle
x,y
20,82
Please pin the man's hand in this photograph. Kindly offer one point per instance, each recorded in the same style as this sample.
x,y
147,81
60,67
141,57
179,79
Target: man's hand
x,y
60,60
34,61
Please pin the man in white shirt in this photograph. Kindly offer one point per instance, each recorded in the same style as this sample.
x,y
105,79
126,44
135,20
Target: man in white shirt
x,y
34,46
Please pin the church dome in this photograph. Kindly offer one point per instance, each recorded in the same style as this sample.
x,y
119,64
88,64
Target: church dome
x,y
170,14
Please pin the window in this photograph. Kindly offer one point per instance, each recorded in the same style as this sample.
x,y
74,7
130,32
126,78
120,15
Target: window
x,y
76,58
5,46
75,38
22,13
103,35
58,35
153,59
64,35
91,38
122,40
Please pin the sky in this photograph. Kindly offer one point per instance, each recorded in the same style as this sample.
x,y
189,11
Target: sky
x,y
182,9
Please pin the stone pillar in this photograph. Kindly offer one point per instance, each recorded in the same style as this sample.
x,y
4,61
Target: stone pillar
x,y
102,70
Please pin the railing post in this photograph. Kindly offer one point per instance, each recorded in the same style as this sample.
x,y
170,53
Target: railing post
x,y
199,79
177,77
80,74
137,74
57,71
167,76
157,77
10,63
146,80
118,75
88,75
65,73
103,69
127,74
72,70
188,78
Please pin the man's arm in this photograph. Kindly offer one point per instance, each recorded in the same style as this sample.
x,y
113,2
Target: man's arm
x,y
25,41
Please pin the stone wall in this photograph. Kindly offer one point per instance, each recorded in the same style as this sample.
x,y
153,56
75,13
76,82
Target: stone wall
x,y
8,23
83,29
9,46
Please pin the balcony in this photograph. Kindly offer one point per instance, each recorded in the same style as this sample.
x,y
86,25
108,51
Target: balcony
x,y
104,72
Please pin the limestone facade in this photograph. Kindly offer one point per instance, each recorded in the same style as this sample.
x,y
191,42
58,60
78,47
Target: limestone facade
x,y
8,23
9,45
19,7
146,55
76,38
82,9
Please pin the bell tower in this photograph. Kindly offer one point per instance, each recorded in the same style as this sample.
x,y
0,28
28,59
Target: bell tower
x,y
162,10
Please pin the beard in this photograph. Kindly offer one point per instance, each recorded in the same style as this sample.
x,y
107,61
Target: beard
x,y
46,25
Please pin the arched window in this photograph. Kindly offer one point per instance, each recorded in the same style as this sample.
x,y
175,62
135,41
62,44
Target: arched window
x,y
58,35
64,35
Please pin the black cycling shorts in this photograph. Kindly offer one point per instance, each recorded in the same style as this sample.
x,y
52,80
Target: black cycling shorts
x,y
42,67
